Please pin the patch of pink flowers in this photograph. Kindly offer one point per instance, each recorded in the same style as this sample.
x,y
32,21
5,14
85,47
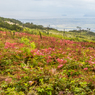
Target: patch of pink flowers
x,y
10,45
91,62
85,69
60,61
39,53
60,66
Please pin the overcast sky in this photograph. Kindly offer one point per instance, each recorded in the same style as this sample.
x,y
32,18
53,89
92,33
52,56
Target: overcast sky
x,y
28,9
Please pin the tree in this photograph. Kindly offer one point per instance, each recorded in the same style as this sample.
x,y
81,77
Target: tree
x,y
79,28
88,29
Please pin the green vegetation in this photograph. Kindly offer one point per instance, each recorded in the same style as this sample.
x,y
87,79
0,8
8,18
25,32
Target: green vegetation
x,y
10,20
8,24
46,62
17,25
10,27
33,26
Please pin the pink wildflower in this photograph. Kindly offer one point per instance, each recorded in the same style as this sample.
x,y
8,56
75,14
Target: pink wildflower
x,y
85,69
49,57
60,66
60,60
10,45
39,53
49,48
91,62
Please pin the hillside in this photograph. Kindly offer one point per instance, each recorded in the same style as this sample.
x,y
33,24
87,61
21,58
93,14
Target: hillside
x,y
8,24
31,65
47,62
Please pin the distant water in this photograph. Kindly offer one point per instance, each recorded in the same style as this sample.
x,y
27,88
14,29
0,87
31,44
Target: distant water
x,y
64,23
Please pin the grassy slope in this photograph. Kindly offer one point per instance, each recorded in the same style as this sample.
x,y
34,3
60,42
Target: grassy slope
x,y
71,35
47,66
54,66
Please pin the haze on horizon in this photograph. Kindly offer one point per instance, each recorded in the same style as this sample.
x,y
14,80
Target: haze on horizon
x,y
28,9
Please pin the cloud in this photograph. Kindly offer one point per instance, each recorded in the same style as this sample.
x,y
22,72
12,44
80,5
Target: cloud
x,y
38,8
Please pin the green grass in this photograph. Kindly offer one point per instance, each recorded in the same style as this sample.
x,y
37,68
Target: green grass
x,y
51,65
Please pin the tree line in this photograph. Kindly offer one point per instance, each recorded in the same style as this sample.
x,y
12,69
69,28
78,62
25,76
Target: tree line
x,y
18,25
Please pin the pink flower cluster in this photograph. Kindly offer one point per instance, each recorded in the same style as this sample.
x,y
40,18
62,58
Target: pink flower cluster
x,y
85,69
10,45
60,66
42,51
66,41
39,53
60,61
48,50
91,62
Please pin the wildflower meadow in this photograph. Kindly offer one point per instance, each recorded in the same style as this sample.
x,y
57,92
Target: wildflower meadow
x,y
34,65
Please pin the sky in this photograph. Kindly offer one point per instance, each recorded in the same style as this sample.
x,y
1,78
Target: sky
x,y
29,9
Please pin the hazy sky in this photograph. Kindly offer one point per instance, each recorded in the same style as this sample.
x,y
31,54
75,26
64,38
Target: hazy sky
x,y
21,9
